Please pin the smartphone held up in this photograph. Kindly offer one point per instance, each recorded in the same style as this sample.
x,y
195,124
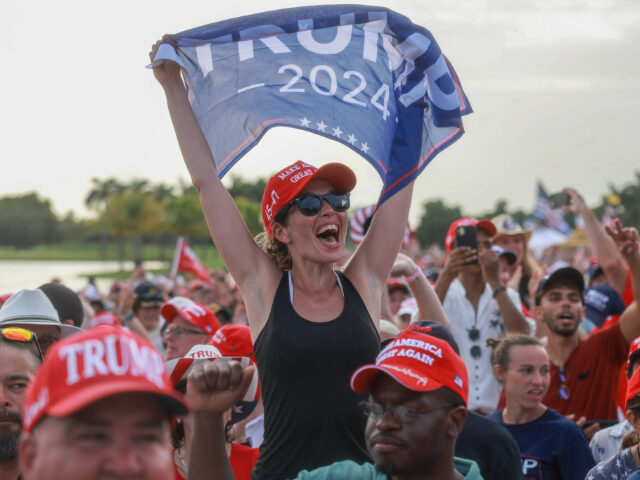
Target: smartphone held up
x,y
467,236
560,199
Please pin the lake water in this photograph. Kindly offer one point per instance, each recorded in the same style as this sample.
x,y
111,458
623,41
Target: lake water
x,y
18,274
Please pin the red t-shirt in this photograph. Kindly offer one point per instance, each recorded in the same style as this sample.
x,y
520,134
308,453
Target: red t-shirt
x,y
627,298
592,373
242,459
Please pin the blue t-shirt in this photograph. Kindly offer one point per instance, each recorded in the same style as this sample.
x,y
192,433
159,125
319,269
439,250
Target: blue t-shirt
x,y
551,447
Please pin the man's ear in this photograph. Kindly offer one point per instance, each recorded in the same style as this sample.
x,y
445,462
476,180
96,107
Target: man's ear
x,y
537,313
69,322
455,421
280,233
499,373
27,454
633,420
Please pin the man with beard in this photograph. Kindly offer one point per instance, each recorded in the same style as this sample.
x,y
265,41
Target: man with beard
x,y
19,361
99,407
585,372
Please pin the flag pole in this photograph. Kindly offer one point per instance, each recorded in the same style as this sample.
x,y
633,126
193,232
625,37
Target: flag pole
x,y
176,258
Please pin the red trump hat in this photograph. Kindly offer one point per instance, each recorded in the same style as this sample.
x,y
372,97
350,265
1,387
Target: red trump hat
x,y
98,363
285,185
417,361
196,314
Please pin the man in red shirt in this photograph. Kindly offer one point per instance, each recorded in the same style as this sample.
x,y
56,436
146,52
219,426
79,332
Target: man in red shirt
x,y
584,372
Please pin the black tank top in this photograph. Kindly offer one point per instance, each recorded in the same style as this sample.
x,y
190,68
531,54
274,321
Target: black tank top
x,y
311,415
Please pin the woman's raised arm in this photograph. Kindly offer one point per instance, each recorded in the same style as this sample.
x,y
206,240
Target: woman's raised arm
x,y
371,264
250,266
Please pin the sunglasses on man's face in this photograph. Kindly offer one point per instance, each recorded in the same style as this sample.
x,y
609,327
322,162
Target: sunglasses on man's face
x,y
310,204
22,335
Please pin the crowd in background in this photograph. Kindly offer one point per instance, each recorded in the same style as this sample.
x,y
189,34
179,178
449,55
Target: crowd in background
x,y
513,348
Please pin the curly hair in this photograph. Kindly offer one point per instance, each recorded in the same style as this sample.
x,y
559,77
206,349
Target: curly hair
x,y
277,250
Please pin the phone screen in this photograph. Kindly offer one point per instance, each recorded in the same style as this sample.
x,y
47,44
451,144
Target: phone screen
x,y
466,236
559,199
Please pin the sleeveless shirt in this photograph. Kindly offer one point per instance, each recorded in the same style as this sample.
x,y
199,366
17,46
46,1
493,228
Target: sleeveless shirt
x,y
311,415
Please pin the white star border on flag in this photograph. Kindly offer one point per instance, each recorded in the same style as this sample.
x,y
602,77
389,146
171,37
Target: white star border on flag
x,y
336,132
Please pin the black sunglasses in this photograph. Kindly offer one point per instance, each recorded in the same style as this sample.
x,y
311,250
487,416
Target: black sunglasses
x,y
474,336
310,204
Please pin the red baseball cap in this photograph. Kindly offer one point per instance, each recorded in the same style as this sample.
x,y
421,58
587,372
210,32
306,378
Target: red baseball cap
x,y
196,314
417,361
105,318
98,363
483,224
394,283
179,367
634,352
285,185
633,387
234,341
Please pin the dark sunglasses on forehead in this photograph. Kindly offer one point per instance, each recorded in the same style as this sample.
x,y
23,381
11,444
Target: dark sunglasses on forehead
x,y
310,204
22,335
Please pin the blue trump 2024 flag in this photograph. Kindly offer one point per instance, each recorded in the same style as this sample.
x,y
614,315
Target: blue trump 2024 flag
x,y
364,76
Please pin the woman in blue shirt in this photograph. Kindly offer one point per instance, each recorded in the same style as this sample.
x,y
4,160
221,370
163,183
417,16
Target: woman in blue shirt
x,y
551,446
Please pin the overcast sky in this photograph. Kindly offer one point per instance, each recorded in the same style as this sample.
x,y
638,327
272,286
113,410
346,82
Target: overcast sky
x,y
554,85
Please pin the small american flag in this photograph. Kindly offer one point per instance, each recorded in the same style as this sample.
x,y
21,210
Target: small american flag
x,y
551,217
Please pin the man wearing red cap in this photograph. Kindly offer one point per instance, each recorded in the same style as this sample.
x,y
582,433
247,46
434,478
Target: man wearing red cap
x,y
99,407
478,307
417,390
192,325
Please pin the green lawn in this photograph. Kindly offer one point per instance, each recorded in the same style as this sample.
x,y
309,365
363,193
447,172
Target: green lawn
x,y
207,254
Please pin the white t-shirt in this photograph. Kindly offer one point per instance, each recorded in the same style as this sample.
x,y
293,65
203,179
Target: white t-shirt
x,y
484,388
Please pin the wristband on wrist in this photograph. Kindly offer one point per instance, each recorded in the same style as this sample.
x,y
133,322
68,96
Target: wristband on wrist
x,y
126,319
413,276
501,288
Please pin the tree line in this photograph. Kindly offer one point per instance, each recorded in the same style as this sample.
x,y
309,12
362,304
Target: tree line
x,y
140,211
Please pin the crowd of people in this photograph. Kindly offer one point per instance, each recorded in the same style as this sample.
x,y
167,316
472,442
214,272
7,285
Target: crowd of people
x,y
302,360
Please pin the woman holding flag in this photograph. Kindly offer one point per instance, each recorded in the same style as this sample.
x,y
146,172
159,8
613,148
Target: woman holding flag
x,y
312,326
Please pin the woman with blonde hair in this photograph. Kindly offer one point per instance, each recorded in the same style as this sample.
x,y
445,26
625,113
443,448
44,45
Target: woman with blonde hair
x,y
551,446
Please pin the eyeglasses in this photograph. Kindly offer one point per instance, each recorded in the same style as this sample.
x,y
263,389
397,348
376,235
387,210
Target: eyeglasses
x,y
474,336
401,413
563,387
22,335
310,204
179,332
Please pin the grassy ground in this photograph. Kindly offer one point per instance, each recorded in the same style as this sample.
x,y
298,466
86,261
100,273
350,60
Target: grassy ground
x,y
208,255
